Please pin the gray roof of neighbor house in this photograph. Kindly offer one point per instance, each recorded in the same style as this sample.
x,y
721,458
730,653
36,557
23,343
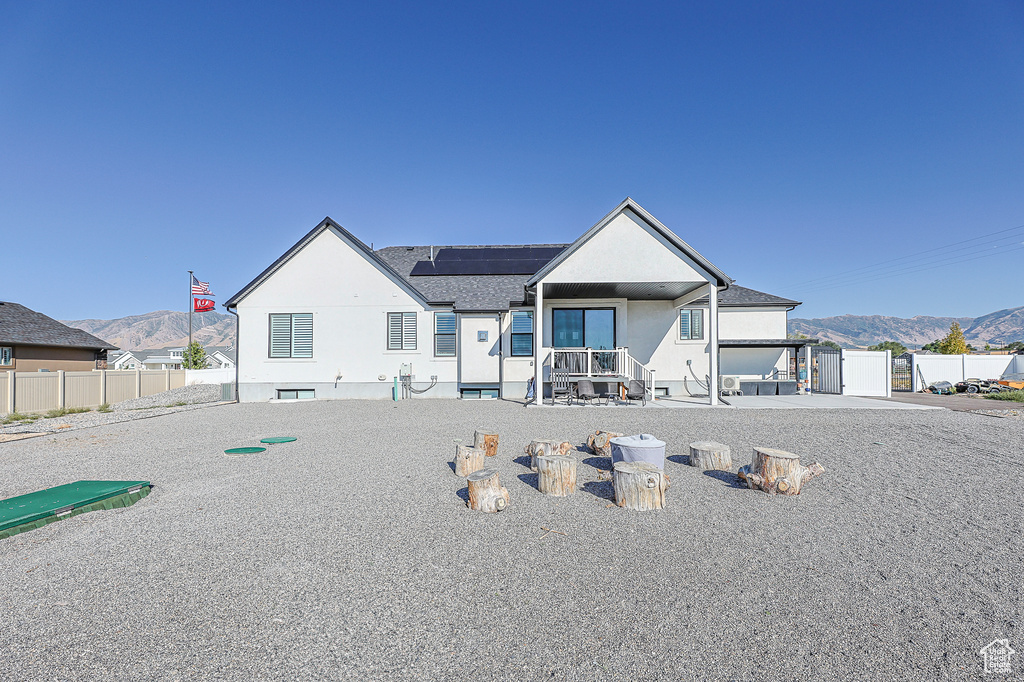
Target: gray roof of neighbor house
x,y
23,326
465,292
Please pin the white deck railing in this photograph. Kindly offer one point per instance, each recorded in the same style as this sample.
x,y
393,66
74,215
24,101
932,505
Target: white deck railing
x,y
615,364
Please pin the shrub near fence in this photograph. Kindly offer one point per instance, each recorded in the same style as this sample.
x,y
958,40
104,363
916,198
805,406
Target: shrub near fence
x,y
43,391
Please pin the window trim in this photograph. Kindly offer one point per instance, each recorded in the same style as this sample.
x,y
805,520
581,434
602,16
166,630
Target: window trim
x,y
679,324
415,331
513,334
454,334
291,336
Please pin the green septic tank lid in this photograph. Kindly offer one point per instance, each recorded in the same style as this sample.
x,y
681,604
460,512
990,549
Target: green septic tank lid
x,y
278,439
243,451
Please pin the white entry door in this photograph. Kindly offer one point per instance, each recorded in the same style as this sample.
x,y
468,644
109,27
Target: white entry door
x,y
479,349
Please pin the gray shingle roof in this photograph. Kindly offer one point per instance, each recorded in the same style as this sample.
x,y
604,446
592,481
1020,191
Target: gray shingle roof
x,y
20,325
496,292
741,296
466,292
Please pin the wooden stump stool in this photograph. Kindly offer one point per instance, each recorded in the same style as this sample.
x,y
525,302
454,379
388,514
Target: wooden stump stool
x,y
486,494
601,443
710,455
556,474
487,441
639,485
468,459
778,472
544,446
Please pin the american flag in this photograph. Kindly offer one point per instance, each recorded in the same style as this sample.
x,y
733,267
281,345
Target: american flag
x,y
200,287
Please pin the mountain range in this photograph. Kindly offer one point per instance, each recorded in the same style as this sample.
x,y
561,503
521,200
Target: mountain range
x,y
161,329
168,328
859,331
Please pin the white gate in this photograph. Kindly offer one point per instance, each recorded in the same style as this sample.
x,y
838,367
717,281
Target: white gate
x,y
867,373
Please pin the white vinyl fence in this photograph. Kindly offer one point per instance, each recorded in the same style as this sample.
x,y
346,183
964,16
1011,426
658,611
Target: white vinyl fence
x,y
953,368
867,373
210,376
42,391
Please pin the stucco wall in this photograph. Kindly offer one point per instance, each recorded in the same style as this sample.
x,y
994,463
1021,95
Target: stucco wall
x,y
34,358
626,250
753,363
752,323
349,299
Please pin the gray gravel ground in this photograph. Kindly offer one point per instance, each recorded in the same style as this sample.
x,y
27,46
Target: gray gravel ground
x,y
350,554
174,400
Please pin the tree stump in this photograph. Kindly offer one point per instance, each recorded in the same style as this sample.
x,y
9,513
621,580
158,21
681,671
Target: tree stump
x,y
639,485
486,494
468,459
710,455
544,446
556,474
778,472
487,441
601,443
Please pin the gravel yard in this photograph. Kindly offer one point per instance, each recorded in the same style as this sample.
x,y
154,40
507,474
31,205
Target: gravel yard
x,y
350,554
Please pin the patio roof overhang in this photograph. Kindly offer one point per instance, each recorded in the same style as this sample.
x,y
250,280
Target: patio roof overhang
x,y
642,291
767,343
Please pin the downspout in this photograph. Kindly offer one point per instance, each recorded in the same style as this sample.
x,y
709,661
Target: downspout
x,y
238,354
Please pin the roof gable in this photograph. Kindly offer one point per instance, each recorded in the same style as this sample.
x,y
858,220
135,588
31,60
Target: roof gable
x,y
668,238
347,237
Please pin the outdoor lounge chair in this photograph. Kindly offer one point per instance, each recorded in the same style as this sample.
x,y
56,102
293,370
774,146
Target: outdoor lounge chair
x,y
585,391
560,387
637,391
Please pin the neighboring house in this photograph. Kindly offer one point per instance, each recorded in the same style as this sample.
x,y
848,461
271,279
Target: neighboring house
x,y
332,318
31,341
219,357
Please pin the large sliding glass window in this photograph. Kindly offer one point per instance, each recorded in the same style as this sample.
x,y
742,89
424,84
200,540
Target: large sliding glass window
x,y
583,328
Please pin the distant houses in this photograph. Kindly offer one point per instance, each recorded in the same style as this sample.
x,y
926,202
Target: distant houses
x,y
219,357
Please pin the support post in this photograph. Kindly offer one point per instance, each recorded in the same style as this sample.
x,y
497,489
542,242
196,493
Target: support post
x,y
138,383
712,344
167,379
10,392
538,345
60,388
103,387
888,373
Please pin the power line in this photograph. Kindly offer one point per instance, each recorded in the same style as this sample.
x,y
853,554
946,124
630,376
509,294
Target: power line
x,y
920,255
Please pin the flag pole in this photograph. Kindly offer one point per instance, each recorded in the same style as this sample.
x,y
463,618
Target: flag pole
x,y
189,313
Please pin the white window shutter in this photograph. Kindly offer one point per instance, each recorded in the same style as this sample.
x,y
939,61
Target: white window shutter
x,y
280,336
409,331
684,324
394,331
302,335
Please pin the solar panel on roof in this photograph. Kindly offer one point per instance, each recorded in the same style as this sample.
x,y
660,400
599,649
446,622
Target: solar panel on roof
x,y
487,261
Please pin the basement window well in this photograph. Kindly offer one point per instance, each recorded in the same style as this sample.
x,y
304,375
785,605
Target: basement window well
x,y
295,394
479,393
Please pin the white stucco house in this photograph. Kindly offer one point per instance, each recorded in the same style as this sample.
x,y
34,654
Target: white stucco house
x,y
332,318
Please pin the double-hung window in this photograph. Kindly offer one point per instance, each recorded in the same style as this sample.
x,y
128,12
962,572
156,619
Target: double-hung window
x,y
691,324
401,331
444,334
291,335
522,332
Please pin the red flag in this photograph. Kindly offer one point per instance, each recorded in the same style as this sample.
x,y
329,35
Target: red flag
x,y
203,305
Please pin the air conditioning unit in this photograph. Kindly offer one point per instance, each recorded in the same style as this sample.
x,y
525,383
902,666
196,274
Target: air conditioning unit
x,y
730,383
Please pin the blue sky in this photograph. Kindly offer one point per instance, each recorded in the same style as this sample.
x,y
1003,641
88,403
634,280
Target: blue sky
x,y
792,143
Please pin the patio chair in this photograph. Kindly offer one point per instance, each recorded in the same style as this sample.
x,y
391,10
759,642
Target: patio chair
x,y
585,391
560,387
637,390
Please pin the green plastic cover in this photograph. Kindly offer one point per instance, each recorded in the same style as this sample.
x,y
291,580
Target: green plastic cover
x,y
44,506
243,451
278,439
